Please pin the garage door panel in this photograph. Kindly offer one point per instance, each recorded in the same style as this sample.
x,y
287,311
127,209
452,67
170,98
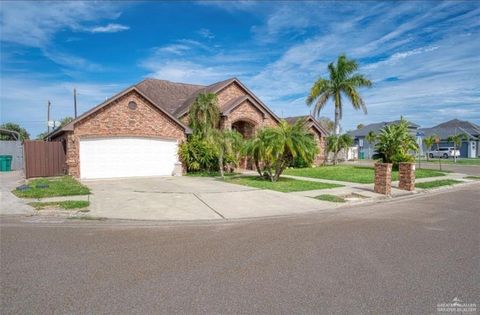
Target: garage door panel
x,y
127,157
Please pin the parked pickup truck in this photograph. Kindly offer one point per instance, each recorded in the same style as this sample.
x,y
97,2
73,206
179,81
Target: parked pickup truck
x,y
444,152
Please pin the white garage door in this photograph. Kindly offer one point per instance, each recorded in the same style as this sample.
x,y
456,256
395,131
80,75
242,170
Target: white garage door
x,y
126,157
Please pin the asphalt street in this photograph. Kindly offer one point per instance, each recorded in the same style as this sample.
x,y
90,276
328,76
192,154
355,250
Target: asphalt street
x,y
399,257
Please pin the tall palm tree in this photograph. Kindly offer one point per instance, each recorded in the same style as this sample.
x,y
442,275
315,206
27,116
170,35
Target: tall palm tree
x,y
343,81
204,115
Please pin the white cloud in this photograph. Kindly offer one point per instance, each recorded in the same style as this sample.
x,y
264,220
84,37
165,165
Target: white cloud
x,y
439,75
110,28
206,33
24,100
34,24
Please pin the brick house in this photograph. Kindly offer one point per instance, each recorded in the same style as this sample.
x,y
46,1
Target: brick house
x,y
137,131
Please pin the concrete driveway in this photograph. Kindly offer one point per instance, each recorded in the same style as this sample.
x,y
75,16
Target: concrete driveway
x,y
191,198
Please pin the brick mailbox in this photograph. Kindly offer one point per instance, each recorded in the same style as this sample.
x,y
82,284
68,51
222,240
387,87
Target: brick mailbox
x,y
406,176
383,178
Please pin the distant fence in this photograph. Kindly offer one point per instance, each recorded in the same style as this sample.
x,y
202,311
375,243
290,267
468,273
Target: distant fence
x,y
15,149
43,159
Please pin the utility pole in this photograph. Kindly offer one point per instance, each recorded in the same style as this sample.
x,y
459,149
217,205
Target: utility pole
x,y
75,102
48,117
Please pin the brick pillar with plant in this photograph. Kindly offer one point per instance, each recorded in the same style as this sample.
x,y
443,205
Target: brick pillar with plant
x,y
406,176
383,178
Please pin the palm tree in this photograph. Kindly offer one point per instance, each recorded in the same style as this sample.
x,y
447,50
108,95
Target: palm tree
x,y
337,143
204,114
371,137
343,82
274,148
256,148
395,144
457,142
228,144
429,142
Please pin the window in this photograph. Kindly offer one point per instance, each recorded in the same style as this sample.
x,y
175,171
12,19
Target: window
x,y
132,105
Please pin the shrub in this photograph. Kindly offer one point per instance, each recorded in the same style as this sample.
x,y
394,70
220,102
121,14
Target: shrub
x,y
395,144
198,154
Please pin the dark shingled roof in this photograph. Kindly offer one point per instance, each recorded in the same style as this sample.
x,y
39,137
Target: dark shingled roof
x,y
452,127
316,124
169,95
376,127
213,88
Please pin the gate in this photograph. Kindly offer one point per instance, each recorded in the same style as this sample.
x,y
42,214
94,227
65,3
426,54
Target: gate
x,y
44,159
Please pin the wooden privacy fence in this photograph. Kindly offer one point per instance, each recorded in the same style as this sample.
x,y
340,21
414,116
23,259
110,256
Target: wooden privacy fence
x,y
43,159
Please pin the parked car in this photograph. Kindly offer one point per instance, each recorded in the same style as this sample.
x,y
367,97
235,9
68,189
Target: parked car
x,y
444,152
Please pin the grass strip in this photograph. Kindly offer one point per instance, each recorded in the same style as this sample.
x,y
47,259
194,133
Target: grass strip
x,y
283,184
331,198
67,204
438,183
52,187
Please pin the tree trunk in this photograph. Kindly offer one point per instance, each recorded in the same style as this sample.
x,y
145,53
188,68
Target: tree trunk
x,y
220,164
335,157
257,166
337,113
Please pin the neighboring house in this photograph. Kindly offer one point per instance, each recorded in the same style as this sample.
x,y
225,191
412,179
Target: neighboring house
x,y
137,131
365,148
319,133
470,146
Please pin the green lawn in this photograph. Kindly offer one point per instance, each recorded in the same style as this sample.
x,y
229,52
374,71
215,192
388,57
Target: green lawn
x,y
355,174
461,161
61,186
283,184
438,183
473,177
331,198
67,204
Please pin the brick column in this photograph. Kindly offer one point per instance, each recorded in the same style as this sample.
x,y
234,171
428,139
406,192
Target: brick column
x,y
383,178
406,172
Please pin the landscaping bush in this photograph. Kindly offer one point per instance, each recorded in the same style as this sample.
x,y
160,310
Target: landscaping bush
x,y
395,144
198,154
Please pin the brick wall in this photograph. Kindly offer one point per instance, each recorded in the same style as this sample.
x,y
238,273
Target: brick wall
x,y
228,93
117,119
406,176
383,178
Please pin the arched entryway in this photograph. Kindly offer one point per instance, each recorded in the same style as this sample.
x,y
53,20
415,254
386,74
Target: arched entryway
x,y
247,130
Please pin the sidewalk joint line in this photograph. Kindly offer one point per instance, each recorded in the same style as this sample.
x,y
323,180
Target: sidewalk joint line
x,y
209,206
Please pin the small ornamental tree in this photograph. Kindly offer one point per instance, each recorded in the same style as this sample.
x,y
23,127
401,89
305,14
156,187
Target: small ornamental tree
x,y
457,142
24,135
429,142
337,143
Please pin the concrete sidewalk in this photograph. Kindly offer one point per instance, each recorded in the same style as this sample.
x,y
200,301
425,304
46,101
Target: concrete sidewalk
x,y
9,204
192,198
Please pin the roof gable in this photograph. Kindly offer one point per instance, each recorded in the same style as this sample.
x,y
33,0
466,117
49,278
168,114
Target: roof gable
x,y
308,118
70,126
218,87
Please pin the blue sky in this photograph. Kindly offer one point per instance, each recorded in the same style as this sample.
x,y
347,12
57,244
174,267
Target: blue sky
x,y
422,56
